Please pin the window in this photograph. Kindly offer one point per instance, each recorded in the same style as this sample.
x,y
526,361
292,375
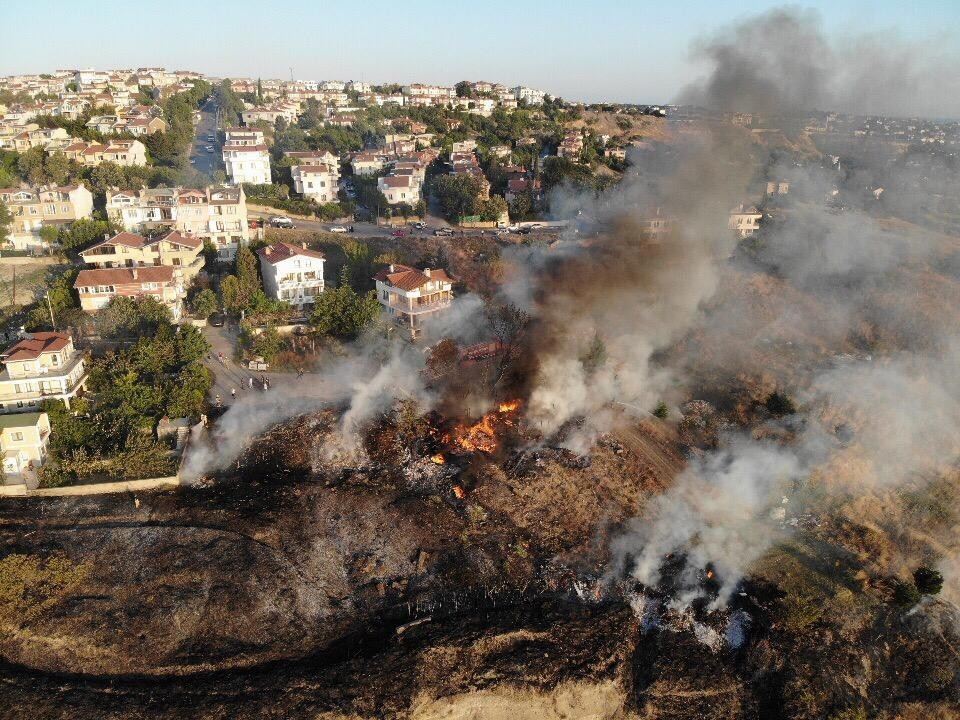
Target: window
x,y
17,436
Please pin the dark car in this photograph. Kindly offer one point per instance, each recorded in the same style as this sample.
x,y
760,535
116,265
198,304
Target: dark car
x,y
217,319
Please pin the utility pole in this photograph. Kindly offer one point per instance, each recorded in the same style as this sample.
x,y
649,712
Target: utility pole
x,y
13,294
53,323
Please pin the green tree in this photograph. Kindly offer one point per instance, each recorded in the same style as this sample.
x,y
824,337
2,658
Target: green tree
x,y
247,276
189,392
6,220
107,175
457,195
928,580
230,296
492,209
205,303
342,313
84,232
140,317
57,168
906,594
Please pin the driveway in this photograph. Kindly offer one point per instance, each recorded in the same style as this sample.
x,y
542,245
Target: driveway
x,y
230,374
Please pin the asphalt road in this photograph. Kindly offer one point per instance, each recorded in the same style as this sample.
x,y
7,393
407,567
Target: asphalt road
x,y
202,160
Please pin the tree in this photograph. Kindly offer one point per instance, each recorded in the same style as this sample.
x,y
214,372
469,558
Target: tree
x,y
457,195
906,594
189,392
205,303
230,296
359,268
133,317
266,344
464,89
661,410
49,234
928,580
780,404
248,278
342,313
107,175
492,209
57,168
6,220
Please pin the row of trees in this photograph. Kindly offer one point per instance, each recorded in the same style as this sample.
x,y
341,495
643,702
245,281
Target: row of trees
x,y
460,196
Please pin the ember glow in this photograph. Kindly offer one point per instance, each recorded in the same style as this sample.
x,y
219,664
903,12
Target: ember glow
x,y
482,435
438,459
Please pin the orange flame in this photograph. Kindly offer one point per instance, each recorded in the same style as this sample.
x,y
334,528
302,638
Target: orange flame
x,y
439,459
482,435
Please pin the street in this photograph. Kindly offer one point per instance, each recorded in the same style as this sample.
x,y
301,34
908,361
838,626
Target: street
x,y
202,160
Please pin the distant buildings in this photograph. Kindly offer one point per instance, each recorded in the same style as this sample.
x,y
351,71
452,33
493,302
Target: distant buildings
x,y
411,297
245,157
292,273
34,209
218,214
529,95
571,146
41,366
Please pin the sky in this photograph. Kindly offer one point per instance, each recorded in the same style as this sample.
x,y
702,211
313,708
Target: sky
x,y
614,50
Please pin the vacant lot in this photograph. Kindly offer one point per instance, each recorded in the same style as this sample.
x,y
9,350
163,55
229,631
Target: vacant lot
x,y
29,275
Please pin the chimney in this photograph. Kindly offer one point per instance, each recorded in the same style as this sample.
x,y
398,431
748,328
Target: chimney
x,y
303,245
426,271
106,236
134,271
391,267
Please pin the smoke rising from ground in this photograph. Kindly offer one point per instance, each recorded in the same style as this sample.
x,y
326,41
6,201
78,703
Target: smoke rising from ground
x,y
783,62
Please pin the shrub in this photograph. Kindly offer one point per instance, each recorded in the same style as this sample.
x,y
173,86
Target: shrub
x,y
906,595
661,410
779,404
928,580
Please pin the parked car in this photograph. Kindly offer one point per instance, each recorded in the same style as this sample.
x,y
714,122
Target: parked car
x,y
420,226
211,137
501,232
443,232
524,231
399,233
217,319
254,224
338,229
282,222
513,228
210,148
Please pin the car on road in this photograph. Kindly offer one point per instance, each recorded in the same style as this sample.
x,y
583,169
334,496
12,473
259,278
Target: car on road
x,y
282,222
400,233
501,232
443,232
338,229
513,228
254,224
211,137
210,148
217,319
420,226
523,231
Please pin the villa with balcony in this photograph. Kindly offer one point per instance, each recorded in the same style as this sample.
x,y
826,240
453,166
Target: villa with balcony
x,y
41,366
412,297
23,442
292,273
183,252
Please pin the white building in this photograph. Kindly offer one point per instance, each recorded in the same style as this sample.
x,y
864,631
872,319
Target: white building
x,y
399,189
291,273
245,156
532,96
41,366
410,297
23,441
744,221
218,214
316,182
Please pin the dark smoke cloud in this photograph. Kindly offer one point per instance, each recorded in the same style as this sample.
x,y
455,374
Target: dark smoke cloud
x,y
783,62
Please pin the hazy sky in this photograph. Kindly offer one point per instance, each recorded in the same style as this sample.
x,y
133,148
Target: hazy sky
x,y
601,49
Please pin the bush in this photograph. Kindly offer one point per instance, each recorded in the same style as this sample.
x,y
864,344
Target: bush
x,y
30,585
906,595
661,410
53,475
928,580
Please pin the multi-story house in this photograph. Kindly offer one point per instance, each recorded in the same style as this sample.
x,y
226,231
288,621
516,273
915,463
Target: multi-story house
x,y
531,96
32,209
316,182
744,220
412,297
23,441
244,136
97,288
246,161
218,214
291,273
41,366
184,253
38,137
122,152
399,189
368,163
571,146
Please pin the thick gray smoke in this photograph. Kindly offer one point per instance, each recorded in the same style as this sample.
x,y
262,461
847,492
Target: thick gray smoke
x,y
783,62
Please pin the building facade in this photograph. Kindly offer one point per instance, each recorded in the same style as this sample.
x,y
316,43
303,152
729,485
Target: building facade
x,y
184,253
41,366
23,441
33,209
411,297
292,273
97,288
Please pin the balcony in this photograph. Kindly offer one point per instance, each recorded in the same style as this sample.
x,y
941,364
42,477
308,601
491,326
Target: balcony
x,y
421,308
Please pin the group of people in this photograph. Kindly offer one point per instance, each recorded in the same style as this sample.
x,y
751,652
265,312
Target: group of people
x,y
264,384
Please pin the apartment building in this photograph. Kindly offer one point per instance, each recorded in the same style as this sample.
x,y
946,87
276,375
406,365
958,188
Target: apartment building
x,y
316,182
33,209
744,220
122,152
292,273
40,366
218,214
571,146
245,157
399,189
36,137
411,297
184,253
135,125
531,96
368,163
23,441
97,288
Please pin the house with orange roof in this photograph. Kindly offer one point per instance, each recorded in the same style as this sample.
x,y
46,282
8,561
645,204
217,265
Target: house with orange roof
x,y
182,252
40,366
412,297
97,288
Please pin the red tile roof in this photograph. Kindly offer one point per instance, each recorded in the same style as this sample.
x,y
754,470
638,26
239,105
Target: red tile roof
x,y
279,252
32,348
407,278
124,238
124,276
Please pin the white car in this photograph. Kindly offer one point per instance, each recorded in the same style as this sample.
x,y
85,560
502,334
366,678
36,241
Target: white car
x,y
338,229
210,148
